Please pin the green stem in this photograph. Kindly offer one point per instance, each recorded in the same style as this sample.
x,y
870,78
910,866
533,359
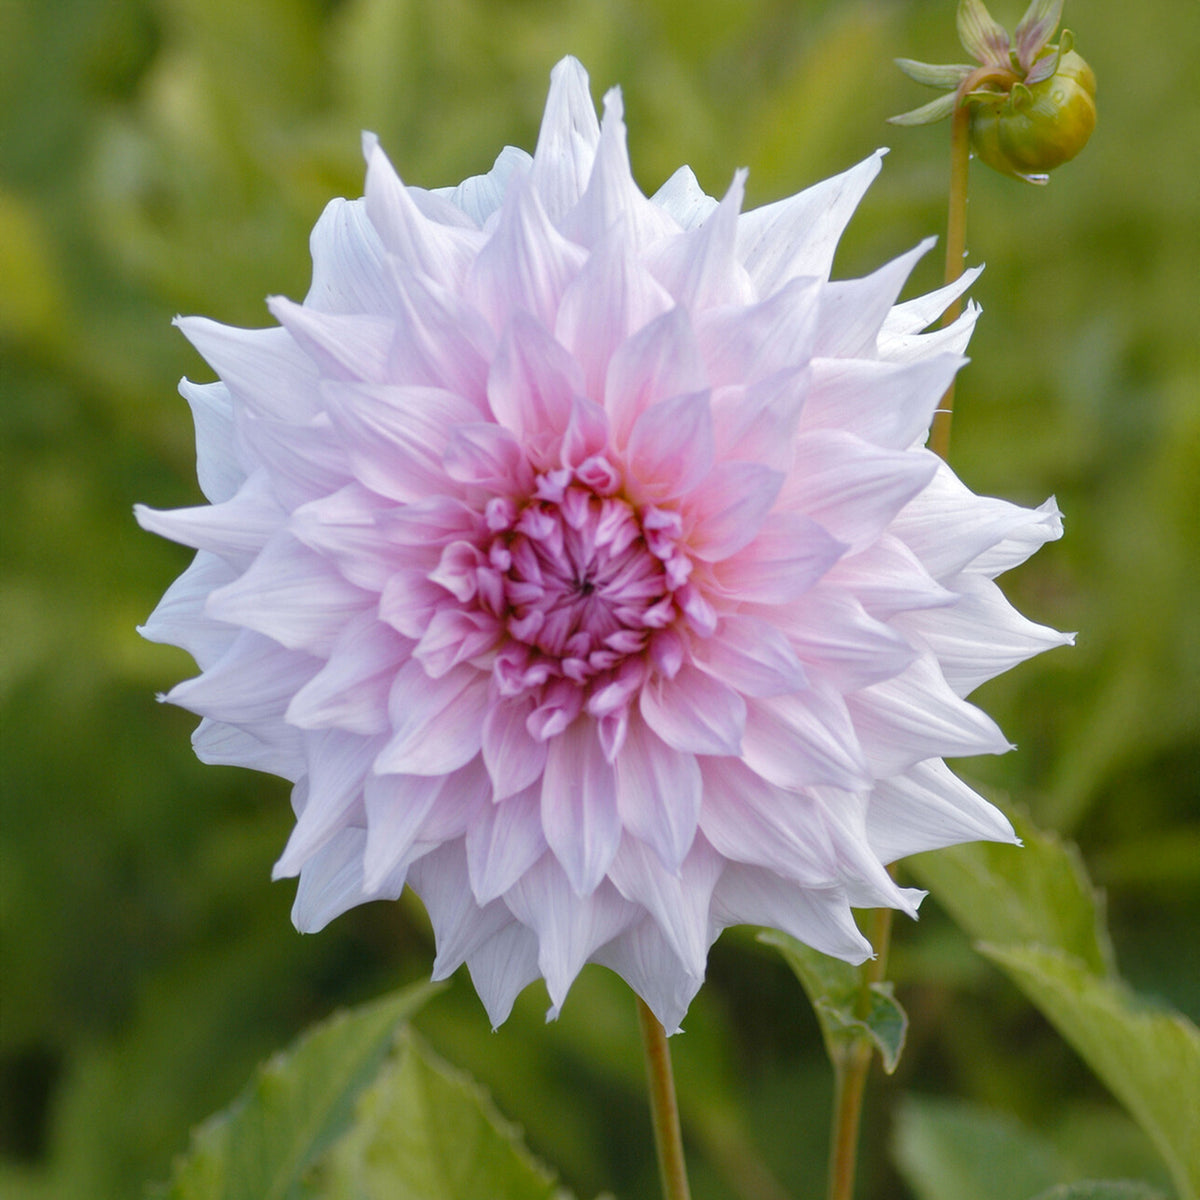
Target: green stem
x,y
664,1111
956,245
850,1071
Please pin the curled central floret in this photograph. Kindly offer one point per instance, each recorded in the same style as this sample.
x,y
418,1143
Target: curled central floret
x,y
583,583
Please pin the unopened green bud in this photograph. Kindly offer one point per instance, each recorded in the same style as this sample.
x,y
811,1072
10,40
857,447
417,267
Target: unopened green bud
x,y
1036,127
1032,105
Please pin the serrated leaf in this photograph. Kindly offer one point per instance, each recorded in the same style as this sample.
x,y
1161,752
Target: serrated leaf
x,y
426,1131
1102,1190
294,1108
950,1150
1148,1057
834,989
1038,893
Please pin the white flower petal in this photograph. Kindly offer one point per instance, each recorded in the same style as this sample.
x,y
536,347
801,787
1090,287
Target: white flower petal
x,y
658,793
579,806
798,236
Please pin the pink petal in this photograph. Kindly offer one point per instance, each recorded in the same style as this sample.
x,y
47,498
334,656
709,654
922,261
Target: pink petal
x,y
454,636
729,508
678,900
236,529
611,195
395,437
502,968
337,764
441,340
887,578
838,641
441,252
504,842
888,404
579,806
748,820
744,345
488,456
927,808
343,527
758,423
948,527
611,298
460,925
269,745
695,713
514,759
355,348
525,265
699,268
396,805
219,467
658,793
530,386
752,656
789,554
253,681
570,928
479,196
291,594
684,200
643,957
264,369
179,618
916,716
980,636
350,691
661,360
852,488
671,446
819,918
436,722
804,738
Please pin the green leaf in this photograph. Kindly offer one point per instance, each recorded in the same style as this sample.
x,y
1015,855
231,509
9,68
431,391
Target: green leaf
x,y
1037,894
425,1131
1148,1057
949,1150
296,1106
1104,1190
834,988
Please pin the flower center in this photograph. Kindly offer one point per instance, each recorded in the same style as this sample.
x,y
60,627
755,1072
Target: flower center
x,y
585,581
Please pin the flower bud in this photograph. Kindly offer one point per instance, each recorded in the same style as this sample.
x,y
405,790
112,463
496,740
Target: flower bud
x,y
1034,128
1031,105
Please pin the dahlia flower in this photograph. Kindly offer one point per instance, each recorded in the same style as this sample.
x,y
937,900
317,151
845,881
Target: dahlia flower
x,y
576,555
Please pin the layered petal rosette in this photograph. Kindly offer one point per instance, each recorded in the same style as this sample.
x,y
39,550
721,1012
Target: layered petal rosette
x,y
577,556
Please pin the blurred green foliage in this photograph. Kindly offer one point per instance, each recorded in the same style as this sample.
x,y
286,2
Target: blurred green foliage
x,y
163,156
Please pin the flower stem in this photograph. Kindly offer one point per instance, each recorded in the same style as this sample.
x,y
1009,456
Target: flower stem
x,y
956,245
850,1070
664,1112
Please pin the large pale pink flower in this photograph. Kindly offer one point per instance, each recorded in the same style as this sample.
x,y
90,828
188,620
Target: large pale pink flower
x,y
577,556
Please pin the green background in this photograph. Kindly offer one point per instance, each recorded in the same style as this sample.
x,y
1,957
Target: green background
x,y
166,156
